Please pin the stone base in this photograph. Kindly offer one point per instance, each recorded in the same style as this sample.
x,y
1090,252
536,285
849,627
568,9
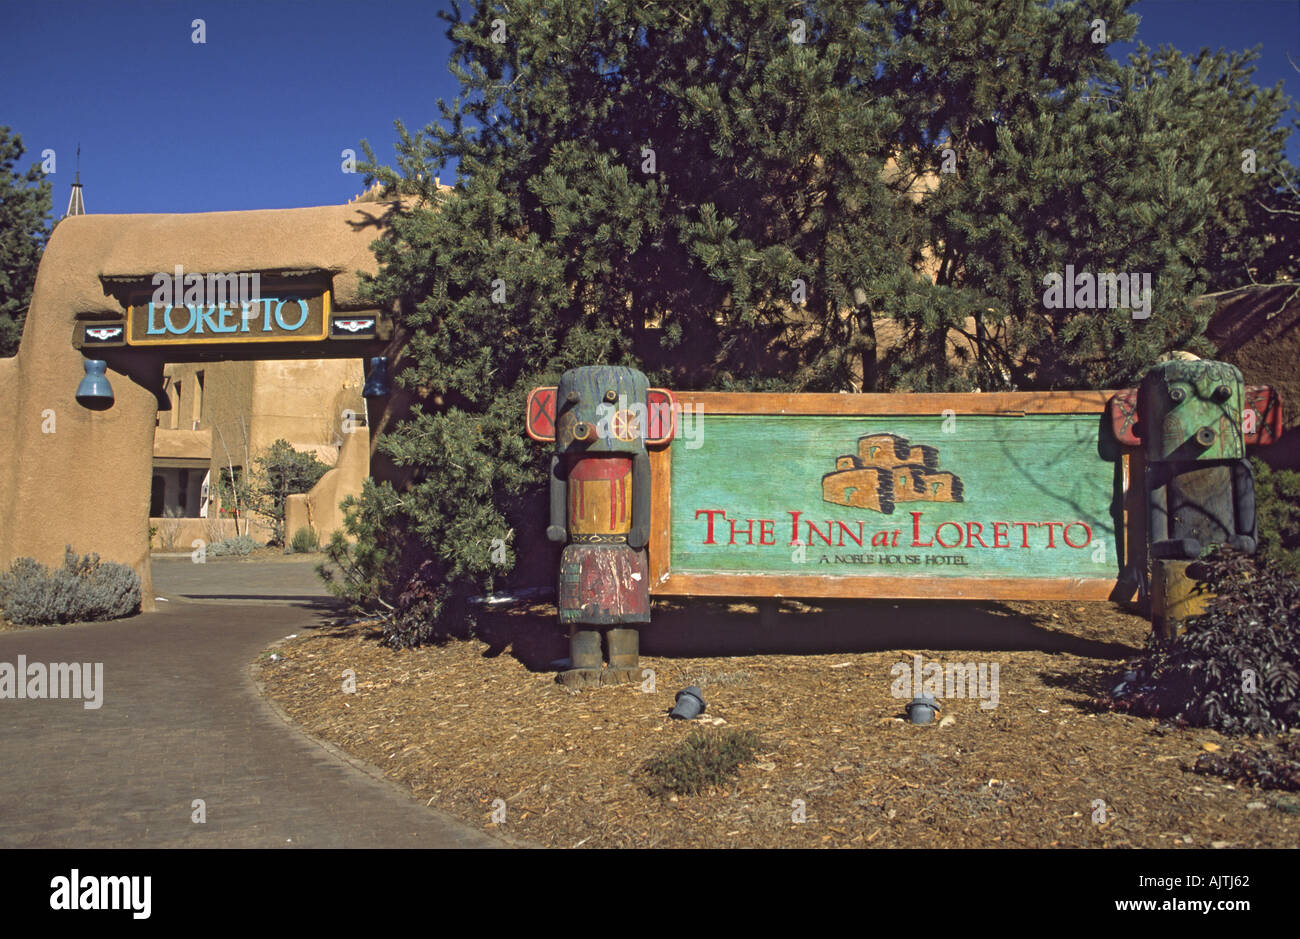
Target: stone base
x,y
621,676
580,678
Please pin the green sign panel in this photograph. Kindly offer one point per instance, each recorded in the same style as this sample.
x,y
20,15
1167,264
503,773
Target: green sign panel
x,y
997,496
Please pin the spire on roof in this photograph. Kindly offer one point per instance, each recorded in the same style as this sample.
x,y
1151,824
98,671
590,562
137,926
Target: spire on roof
x,y
76,205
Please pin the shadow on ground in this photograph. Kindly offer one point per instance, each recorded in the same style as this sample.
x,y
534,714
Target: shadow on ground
x,y
698,629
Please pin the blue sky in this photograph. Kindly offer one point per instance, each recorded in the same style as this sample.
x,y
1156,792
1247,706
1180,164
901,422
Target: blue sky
x,y
257,116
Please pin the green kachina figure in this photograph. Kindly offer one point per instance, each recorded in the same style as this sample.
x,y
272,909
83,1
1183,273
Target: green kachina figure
x,y
599,417
1200,489
1193,419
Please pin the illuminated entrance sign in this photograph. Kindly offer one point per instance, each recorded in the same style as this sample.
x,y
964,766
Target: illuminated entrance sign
x,y
281,317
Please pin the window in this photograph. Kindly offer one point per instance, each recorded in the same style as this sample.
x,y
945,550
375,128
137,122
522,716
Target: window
x,y
196,409
176,405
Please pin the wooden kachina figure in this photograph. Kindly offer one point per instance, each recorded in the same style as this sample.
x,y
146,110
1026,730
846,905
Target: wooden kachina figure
x,y
1193,420
600,418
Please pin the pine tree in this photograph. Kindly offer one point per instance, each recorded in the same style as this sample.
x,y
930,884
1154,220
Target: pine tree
x,y
24,229
1066,157
282,471
741,196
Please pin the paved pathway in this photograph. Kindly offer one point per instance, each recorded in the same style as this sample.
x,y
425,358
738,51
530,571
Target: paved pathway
x,y
181,720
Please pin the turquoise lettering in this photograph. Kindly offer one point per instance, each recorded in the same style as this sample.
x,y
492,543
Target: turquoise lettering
x,y
205,316
224,314
151,330
171,328
302,305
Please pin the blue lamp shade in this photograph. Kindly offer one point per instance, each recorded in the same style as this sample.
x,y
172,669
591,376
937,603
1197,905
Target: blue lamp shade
x,y
94,390
377,380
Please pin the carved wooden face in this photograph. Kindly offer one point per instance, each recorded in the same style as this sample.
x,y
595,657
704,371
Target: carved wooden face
x,y
1191,410
601,409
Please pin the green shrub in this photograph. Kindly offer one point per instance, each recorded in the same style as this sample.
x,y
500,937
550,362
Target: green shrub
x,y
1277,502
305,541
1270,767
705,758
240,545
1236,668
281,472
370,563
84,590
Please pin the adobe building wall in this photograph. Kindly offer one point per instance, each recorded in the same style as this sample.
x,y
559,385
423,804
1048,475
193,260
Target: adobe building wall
x,y
319,509
303,402
70,475
241,408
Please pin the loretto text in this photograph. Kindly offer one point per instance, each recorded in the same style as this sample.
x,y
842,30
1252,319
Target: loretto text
x,y
264,315
721,529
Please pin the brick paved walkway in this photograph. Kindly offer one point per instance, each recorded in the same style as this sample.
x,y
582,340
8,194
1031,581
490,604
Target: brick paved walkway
x,y
181,720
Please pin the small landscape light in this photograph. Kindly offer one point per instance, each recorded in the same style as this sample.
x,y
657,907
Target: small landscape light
x,y
922,708
689,704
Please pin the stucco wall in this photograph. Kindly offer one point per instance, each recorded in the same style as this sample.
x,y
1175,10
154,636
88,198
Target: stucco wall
x,y
87,483
319,509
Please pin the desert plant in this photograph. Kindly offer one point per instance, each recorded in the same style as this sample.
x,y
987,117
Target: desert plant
x,y
427,611
367,573
85,589
171,529
213,530
1276,767
1236,668
703,759
305,541
239,545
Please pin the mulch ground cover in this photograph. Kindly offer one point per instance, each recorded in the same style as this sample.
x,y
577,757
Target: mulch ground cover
x,y
481,719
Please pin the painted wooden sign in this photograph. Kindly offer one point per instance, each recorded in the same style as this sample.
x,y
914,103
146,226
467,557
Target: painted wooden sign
x,y
276,317
977,496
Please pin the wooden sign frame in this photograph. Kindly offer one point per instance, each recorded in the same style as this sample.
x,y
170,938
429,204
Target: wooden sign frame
x,y
666,582
212,339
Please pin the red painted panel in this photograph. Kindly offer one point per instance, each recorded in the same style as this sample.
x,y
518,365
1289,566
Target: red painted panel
x,y
662,416
604,585
1122,410
541,413
1267,405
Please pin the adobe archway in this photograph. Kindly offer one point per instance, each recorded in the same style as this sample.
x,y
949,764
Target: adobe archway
x,y
80,476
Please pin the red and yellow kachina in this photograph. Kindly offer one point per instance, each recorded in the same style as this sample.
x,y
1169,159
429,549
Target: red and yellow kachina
x,y
601,419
